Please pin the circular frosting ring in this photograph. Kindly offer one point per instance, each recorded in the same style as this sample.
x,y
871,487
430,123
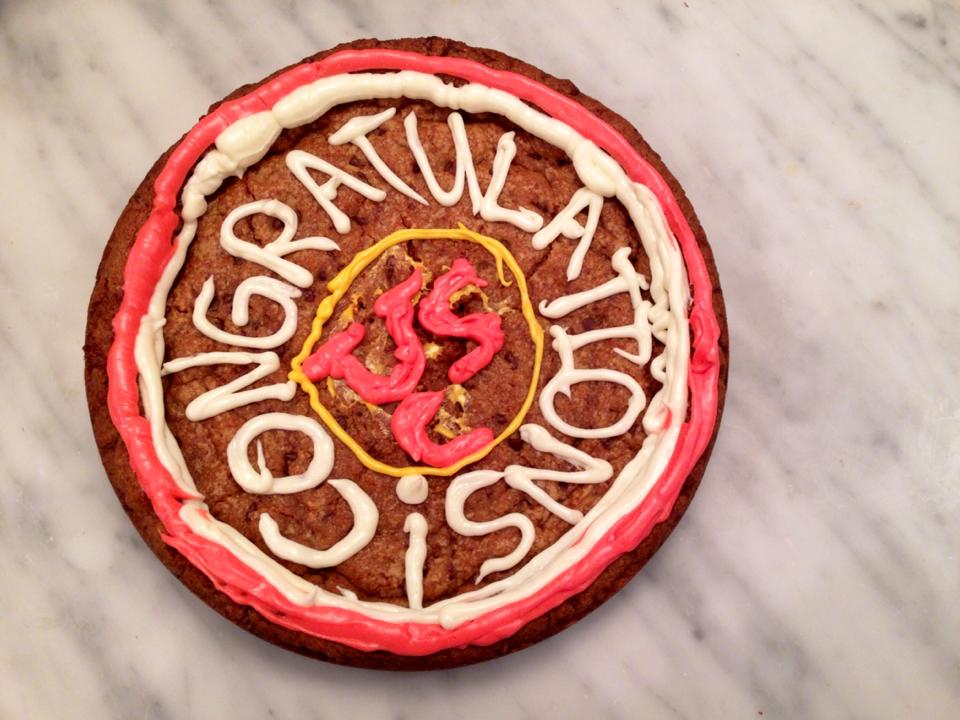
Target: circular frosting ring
x,y
153,249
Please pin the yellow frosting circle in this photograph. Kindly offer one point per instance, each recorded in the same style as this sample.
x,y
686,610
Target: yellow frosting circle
x,y
339,286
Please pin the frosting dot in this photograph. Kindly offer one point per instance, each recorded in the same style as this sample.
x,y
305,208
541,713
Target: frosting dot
x,y
412,489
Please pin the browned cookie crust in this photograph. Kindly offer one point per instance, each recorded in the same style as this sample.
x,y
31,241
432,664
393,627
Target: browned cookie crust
x,y
541,178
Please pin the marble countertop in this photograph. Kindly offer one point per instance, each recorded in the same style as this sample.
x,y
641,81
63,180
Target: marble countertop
x,y
816,574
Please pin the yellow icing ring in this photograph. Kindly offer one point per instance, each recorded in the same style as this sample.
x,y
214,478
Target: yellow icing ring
x,y
339,286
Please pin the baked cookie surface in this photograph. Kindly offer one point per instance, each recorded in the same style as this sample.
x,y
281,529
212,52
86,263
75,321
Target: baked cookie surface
x,y
408,356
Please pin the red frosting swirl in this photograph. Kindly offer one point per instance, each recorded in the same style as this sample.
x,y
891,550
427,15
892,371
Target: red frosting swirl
x,y
483,328
333,358
411,417
409,427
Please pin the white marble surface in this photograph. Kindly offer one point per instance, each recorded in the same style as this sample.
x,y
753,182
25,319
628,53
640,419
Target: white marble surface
x,y
817,573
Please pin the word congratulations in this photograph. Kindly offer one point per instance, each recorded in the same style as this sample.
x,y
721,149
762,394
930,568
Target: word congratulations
x,y
335,359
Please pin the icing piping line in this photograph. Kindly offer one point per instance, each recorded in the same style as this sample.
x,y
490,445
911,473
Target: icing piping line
x,y
339,286
153,248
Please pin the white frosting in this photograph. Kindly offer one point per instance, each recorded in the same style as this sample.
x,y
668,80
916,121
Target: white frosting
x,y
365,520
592,470
462,487
464,160
569,374
565,223
271,254
355,131
249,140
526,220
412,489
597,170
300,163
485,204
232,395
279,292
262,481
416,526
209,174
627,281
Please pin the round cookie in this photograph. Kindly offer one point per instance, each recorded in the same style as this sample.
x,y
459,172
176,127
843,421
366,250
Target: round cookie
x,y
410,533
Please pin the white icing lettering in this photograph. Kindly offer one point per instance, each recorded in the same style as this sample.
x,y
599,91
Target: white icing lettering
x,y
485,204
565,223
526,220
355,131
412,489
300,163
232,395
271,254
416,526
263,482
592,470
365,520
464,160
627,281
568,375
279,292
457,493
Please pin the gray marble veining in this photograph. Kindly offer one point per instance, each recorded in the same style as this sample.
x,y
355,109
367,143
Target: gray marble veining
x,y
817,573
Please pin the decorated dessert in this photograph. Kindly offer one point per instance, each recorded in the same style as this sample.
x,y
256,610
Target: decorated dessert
x,y
407,356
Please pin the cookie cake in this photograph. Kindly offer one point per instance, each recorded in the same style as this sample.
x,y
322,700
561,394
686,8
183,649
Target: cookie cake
x,y
408,356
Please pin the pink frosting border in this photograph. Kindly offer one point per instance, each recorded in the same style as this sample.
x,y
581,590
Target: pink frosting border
x,y
153,249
